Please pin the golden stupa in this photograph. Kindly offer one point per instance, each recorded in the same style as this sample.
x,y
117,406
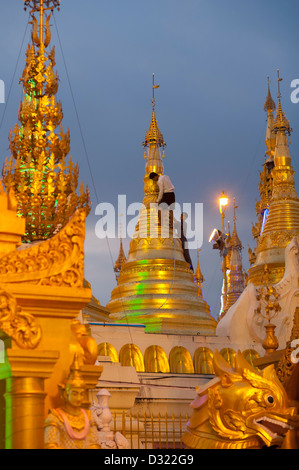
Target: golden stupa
x,y
279,214
156,286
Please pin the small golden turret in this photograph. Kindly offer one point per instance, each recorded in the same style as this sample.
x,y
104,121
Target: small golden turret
x,y
282,221
198,277
43,182
121,259
235,273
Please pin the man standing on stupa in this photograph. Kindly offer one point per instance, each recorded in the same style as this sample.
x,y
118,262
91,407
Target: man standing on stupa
x,y
166,189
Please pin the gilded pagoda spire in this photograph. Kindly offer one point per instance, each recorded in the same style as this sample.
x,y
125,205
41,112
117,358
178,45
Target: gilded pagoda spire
x,y
281,223
235,274
44,183
266,178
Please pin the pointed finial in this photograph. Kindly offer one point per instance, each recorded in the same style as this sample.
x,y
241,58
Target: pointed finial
x,y
269,103
154,135
235,241
278,81
235,207
281,123
154,88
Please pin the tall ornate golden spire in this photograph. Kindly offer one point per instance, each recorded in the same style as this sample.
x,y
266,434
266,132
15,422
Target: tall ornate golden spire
x,y
282,221
44,183
266,178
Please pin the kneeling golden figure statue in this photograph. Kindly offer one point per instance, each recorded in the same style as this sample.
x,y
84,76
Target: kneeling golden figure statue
x,y
71,427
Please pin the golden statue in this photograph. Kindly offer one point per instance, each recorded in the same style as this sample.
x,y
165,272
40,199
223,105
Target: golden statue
x,y
71,427
241,408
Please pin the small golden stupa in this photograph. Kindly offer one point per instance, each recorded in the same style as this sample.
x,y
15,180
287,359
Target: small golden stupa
x,y
156,286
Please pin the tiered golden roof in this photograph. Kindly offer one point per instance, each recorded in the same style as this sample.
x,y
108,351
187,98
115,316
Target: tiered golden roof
x,y
154,135
44,183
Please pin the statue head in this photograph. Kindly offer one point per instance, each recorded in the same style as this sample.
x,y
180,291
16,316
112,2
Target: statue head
x,y
247,402
73,391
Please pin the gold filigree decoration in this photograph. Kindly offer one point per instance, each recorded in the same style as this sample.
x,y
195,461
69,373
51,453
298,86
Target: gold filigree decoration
x,y
44,183
287,364
19,325
58,261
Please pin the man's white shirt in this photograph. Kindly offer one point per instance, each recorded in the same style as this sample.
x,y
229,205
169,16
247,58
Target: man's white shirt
x,y
165,186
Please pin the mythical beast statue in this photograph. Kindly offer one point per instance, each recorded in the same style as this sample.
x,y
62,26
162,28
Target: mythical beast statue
x,y
240,408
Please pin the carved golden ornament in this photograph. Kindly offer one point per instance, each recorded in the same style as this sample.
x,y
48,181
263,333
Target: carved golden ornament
x,y
44,184
58,261
276,272
155,360
241,408
107,349
272,239
268,308
180,361
203,361
130,355
287,363
270,343
19,325
251,256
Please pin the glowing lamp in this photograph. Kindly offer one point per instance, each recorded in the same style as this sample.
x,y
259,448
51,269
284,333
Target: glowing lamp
x,y
223,201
